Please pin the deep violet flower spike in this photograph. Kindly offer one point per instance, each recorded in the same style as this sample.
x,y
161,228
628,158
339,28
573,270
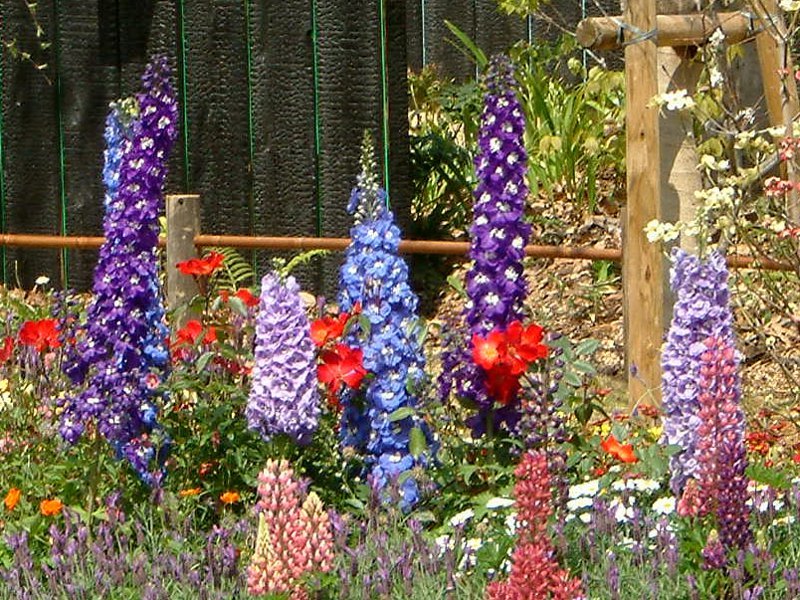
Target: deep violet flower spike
x,y
495,283
701,310
122,344
283,394
374,275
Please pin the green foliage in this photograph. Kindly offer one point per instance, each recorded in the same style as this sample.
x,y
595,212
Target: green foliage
x,y
443,129
522,8
285,268
574,133
237,272
574,130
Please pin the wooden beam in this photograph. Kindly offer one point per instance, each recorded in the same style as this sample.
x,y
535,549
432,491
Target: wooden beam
x,y
183,224
606,33
643,264
780,86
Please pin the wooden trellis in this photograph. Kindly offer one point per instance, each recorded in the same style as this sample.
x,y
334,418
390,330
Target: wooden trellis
x,y
642,32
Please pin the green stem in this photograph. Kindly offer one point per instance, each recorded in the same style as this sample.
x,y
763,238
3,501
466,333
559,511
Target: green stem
x,y
94,478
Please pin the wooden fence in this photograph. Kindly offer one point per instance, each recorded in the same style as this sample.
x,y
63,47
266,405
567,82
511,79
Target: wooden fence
x,y
274,97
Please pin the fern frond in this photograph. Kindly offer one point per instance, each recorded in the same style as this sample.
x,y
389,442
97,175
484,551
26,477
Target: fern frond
x,y
237,272
285,268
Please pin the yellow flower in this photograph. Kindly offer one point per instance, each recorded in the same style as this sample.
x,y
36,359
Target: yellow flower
x,y
190,492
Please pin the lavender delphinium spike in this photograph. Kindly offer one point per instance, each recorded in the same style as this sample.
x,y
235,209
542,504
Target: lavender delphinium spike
x,y
121,351
701,310
376,277
495,283
283,395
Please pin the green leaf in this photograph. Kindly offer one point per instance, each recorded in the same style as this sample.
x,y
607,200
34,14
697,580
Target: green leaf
x,y
584,367
771,477
417,442
454,281
585,347
203,360
364,324
470,49
237,306
401,413
583,413
572,379
423,516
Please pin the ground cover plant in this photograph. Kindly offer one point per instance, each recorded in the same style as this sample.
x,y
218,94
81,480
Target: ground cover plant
x,y
277,445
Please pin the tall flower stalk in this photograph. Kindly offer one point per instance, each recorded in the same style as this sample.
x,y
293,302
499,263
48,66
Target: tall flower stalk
x,y
495,284
122,351
295,537
283,396
701,311
383,425
722,459
535,572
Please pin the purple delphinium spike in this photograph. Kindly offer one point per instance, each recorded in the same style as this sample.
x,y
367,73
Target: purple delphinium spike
x,y
721,451
375,276
122,351
701,310
283,394
495,284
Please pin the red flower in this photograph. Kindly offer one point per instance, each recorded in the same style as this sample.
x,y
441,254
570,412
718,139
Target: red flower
x,y
201,267
247,297
487,352
505,356
623,452
190,333
328,328
7,350
526,343
341,365
502,384
40,334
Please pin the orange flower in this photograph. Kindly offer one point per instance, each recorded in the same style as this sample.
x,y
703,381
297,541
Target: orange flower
x,y
623,452
229,497
50,507
190,492
12,498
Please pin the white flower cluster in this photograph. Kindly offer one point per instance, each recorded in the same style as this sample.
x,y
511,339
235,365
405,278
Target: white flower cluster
x,y
677,100
656,231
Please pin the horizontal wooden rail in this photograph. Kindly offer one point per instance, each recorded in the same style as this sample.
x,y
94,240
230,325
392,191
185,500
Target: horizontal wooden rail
x,y
23,240
609,33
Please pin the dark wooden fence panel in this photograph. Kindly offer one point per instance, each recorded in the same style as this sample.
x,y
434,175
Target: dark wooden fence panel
x,y
30,139
89,81
218,108
284,152
275,97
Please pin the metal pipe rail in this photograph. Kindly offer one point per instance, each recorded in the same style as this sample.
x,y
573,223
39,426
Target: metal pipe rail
x,y
438,247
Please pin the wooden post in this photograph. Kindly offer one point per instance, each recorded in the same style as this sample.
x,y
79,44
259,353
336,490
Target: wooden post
x,y
676,71
642,262
780,86
183,224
